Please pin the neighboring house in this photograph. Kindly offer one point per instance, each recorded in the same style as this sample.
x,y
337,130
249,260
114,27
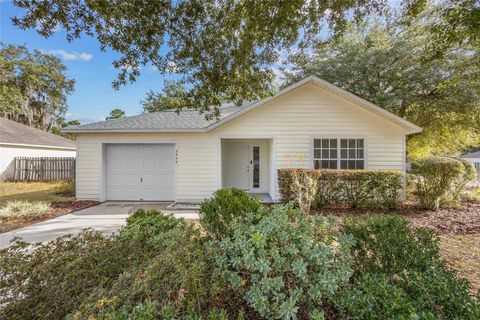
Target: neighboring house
x,y
18,140
473,157
182,157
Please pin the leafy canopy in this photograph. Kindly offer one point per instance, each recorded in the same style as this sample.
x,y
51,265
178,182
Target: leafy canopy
x,y
224,49
33,87
220,48
115,114
170,98
382,61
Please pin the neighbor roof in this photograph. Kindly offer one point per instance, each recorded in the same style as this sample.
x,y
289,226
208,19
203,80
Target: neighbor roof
x,y
192,121
15,133
472,155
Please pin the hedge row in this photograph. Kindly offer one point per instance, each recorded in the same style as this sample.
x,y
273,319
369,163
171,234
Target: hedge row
x,y
355,188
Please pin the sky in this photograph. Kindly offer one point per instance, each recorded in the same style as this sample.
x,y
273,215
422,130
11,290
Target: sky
x,y
94,96
92,70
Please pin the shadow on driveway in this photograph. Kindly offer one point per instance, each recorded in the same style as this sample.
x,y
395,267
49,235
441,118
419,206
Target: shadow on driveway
x,y
106,217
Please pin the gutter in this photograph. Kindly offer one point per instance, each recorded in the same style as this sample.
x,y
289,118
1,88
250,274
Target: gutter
x,y
37,146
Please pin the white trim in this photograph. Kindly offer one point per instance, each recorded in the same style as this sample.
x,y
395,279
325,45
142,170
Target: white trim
x,y
104,143
37,146
273,170
338,137
73,130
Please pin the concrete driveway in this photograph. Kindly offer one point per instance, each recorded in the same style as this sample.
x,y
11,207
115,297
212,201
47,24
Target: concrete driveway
x,y
106,217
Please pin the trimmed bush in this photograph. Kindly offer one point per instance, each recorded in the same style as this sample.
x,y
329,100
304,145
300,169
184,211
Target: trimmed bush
x,y
225,205
284,264
441,180
399,275
355,188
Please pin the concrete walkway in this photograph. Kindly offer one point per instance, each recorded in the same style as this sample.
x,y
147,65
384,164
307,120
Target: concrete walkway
x,y
106,217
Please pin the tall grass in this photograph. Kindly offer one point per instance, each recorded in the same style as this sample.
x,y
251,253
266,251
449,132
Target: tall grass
x,y
19,208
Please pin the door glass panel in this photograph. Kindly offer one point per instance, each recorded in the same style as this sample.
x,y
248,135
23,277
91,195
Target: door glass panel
x,y
256,167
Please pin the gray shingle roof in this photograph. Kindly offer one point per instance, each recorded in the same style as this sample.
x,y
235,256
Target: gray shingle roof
x,y
16,133
168,120
472,155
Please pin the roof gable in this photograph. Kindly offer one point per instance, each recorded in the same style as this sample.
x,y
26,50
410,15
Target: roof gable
x,y
360,102
193,121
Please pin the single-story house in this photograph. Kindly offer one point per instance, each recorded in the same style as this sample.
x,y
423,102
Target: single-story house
x,y
19,140
185,158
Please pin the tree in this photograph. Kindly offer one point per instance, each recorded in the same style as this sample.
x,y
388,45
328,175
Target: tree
x,y
116,114
171,97
383,62
457,23
220,49
33,87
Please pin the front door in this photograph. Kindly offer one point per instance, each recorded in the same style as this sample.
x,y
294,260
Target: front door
x,y
243,167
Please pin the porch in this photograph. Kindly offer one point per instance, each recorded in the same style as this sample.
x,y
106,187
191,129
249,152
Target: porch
x,y
247,164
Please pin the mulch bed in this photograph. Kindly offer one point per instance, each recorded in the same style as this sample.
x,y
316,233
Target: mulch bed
x,y
464,219
57,209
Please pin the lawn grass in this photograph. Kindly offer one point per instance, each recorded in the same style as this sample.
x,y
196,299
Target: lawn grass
x,y
462,253
33,191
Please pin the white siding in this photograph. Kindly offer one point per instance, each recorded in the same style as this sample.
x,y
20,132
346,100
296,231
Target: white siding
x,y
9,152
292,121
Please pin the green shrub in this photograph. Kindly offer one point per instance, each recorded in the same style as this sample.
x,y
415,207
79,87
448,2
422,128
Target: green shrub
x,y
284,263
154,257
386,244
49,280
434,294
459,185
19,208
400,275
180,276
355,188
441,180
374,297
226,204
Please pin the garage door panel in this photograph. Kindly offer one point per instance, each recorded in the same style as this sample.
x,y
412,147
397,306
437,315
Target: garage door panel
x,y
133,163
132,179
118,193
115,179
140,172
151,164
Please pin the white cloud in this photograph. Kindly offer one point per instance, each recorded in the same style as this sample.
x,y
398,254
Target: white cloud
x,y
72,56
83,119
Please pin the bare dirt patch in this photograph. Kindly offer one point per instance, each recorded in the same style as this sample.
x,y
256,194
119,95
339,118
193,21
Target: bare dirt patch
x,y
57,209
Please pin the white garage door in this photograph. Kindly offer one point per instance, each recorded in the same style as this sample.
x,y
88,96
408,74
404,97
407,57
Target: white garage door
x,y
140,172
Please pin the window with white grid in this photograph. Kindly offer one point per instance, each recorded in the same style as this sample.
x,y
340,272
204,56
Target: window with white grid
x,y
325,153
342,153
